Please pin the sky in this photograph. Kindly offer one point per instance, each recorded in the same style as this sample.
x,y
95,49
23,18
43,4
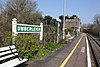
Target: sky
x,y
84,9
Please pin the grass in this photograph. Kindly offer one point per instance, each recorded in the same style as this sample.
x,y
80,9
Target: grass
x,y
47,50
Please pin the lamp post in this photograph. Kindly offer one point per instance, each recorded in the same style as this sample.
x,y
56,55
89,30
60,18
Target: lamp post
x,y
64,19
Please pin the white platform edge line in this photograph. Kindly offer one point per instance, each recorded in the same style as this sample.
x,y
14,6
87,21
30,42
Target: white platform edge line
x,y
88,54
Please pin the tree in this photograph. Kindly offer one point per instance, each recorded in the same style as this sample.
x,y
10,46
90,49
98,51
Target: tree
x,y
24,10
50,29
97,19
54,22
48,19
73,17
61,18
2,18
21,9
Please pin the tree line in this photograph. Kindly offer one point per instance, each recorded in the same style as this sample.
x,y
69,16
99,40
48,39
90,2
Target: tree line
x,y
94,28
26,11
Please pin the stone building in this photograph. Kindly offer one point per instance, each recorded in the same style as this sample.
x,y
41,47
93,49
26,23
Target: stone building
x,y
73,23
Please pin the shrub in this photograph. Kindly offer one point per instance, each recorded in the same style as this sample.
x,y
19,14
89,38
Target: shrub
x,y
7,40
27,45
51,46
43,53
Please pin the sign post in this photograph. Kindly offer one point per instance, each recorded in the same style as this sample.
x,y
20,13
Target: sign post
x,y
41,33
14,22
58,21
58,32
25,28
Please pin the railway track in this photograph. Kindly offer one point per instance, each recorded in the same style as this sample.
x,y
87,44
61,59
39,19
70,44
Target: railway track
x,y
95,50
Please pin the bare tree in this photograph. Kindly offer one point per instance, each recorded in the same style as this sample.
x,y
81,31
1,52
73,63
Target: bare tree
x,y
2,17
97,19
24,10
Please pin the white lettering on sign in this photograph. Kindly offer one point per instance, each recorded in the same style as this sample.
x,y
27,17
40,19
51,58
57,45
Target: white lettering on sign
x,y
28,29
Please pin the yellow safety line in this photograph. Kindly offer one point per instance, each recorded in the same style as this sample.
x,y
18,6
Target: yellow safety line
x,y
66,60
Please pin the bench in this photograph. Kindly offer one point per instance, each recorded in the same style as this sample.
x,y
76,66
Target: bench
x,y
9,57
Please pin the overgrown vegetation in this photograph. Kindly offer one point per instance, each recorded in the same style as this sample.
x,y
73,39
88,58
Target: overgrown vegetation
x,y
28,46
48,49
94,30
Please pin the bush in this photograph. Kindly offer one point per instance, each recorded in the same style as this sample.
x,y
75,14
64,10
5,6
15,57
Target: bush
x,y
51,46
29,47
43,53
7,39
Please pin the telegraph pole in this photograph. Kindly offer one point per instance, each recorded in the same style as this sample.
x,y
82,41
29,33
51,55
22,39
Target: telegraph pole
x,y
64,9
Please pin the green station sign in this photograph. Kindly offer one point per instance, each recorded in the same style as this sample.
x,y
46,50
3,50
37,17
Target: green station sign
x,y
28,29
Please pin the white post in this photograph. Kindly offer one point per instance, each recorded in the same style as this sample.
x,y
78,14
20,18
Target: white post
x,y
58,33
41,33
14,23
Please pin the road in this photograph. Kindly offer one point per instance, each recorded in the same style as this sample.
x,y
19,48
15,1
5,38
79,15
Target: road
x,y
74,55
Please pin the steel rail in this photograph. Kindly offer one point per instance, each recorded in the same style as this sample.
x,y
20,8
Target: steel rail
x,y
95,51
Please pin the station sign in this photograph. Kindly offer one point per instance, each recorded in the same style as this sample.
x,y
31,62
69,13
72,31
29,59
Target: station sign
x,y
28,29
25,28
